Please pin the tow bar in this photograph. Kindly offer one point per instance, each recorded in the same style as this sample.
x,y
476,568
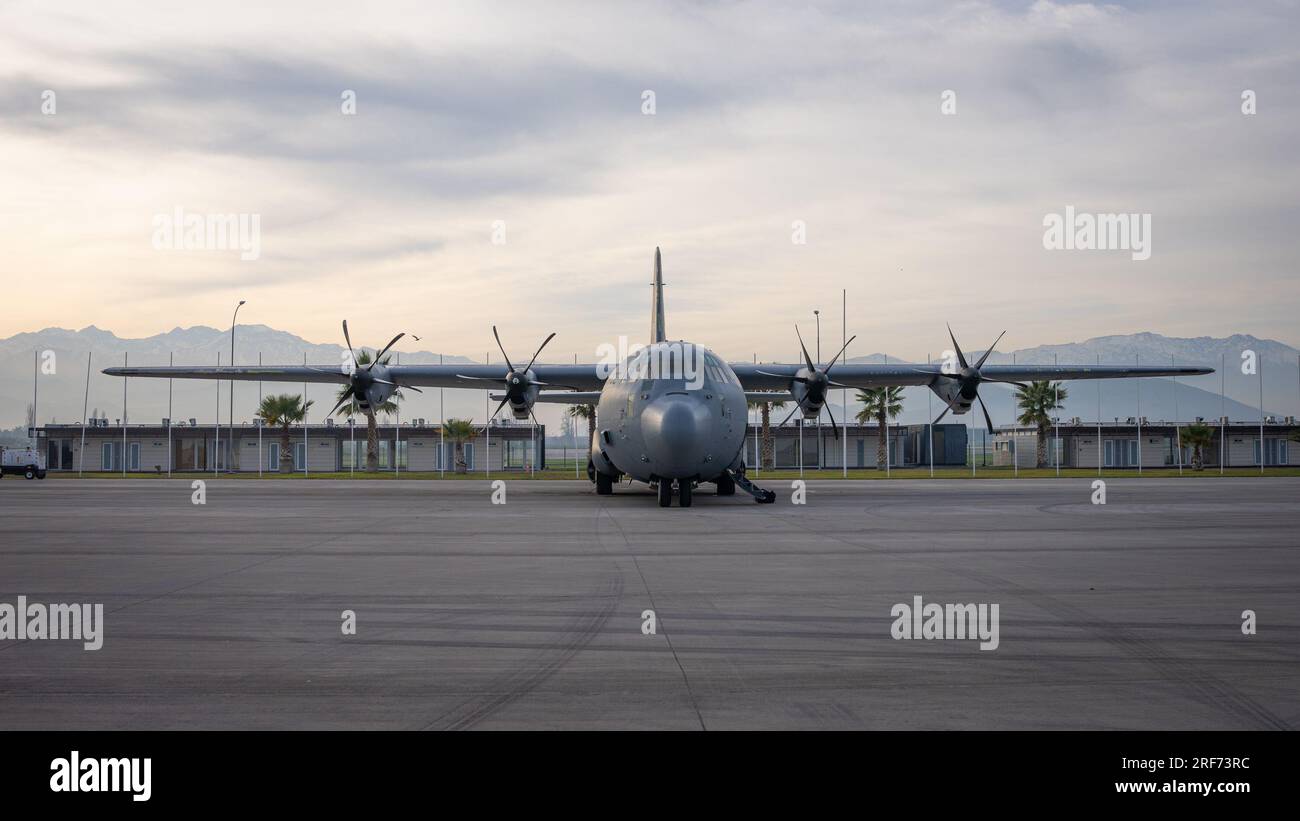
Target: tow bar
x,y
763,497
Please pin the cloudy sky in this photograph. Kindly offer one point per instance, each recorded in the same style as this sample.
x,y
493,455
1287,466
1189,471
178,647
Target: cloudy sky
x,y
531,114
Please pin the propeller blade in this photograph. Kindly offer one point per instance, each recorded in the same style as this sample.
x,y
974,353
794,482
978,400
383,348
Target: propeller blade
x,y
502,347
988,420
804,348
961,357
980,363
940,416
477,378
834,425
499,407
835,384
348,340
342,376
842,350
797,408
347,395
803,380
380,355
1005,382
539,350
940,373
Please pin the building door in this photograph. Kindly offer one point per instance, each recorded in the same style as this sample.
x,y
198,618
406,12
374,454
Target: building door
x,y
106,456
133,451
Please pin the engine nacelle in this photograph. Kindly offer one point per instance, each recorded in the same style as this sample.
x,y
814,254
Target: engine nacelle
x,y
809,402
368,388
949,392
521,393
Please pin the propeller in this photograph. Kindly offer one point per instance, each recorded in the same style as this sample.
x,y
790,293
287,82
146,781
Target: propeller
x,y
816,382
519,382
362,378
969,378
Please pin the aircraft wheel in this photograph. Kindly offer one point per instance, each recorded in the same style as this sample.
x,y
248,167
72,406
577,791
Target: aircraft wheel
x,y
29,474
684,493
665,493
604,484
726,485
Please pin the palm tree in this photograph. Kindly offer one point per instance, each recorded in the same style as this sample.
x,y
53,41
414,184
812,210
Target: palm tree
x,y
1036,401
283,410
389,407
767,453
1198,437
881,404
459,431
587,412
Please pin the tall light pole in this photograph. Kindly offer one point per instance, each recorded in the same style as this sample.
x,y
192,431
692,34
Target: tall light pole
x,y
821,451
232,384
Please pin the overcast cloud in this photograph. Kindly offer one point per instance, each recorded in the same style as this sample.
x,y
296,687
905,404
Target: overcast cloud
x,y
767,113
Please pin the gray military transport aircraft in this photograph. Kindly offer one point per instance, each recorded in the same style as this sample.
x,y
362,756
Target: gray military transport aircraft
x,y
670,414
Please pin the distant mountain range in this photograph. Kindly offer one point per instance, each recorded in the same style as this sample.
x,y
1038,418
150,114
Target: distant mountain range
x,y
60,395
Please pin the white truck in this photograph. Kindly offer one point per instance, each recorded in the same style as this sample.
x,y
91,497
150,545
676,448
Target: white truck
x,y
28,462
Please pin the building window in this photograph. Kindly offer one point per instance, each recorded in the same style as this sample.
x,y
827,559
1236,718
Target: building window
x,y
299,455
1274,451
516,453
1120,453
106,456
133,452
354,455
468,451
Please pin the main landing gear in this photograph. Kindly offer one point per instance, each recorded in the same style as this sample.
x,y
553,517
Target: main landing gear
x,y
684,489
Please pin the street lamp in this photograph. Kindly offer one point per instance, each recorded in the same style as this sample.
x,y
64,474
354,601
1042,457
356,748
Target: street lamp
x,y
232,382
820,450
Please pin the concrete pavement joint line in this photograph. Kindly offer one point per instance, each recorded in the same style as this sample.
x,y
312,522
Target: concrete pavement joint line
x,y
1210,690
207,579
685,679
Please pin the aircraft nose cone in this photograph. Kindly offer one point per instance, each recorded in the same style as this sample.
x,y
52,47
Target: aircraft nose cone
x,y
675,428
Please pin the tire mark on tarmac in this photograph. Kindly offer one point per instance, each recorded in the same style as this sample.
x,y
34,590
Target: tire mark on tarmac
x,y
516,684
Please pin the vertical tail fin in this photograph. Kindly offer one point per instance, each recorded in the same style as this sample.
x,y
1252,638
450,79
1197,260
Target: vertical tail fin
x,y
657,302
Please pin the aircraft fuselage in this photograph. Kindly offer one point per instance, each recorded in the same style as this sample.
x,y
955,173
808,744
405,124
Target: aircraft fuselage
x,y
682,421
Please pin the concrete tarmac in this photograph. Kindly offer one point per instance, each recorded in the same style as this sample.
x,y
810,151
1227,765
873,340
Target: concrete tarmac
x,y
528,615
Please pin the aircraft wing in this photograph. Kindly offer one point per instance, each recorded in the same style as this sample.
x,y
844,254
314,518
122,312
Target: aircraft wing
x,y
573,377
560,397
240,373
769,377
